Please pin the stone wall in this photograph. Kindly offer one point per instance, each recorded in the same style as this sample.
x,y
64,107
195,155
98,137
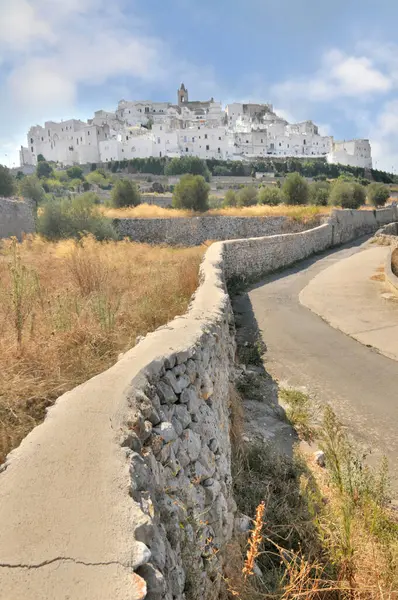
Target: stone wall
x,y
193,231
138,459
16,218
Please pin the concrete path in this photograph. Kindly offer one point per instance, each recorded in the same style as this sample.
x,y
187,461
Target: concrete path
x,y
304,351
351,297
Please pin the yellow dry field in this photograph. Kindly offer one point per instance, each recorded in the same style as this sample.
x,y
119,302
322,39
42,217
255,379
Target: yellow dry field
x,y
150,211
68,309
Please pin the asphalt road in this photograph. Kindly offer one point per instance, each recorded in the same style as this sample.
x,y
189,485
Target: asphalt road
x,y
304,351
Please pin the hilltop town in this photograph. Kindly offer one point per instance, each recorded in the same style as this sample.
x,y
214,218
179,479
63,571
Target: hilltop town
x,y
141,129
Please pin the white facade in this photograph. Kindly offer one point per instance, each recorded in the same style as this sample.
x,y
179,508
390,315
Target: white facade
x,y
355,153
141,129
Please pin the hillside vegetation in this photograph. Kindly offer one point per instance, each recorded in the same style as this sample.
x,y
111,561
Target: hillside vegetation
x,y
67,309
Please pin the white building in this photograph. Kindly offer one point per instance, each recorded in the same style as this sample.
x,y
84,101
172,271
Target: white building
x,y
355,153
140,129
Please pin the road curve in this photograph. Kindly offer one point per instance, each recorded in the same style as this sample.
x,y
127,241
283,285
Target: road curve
x,y
304,351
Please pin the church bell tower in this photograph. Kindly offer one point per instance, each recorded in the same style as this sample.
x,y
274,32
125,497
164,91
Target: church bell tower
x,y
182,95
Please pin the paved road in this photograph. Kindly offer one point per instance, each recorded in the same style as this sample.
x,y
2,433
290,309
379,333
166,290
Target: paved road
x,y
304,351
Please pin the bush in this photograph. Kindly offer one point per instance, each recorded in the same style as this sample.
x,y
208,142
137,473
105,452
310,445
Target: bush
x,y
7,184
230,199
157,188
43,169
97,178
358,194
295,189
75,172
270,195
125,193
319,192
347,195
215,202
72,218
192,192
377,194
192,165
247,196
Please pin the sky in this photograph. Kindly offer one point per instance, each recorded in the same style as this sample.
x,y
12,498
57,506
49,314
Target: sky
x,y
335,63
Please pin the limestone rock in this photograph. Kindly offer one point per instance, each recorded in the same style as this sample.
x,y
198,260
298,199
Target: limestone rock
x,y
320,458
166,431
192,444
166,393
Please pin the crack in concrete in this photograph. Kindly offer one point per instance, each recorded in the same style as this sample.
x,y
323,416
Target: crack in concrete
x,y
63,559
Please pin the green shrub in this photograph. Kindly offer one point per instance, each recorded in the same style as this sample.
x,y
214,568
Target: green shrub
x,y
215,202
192,165
358,194
97,178
75,172
192,192
54,186
247,196
60,175
125,193
347,195
31,187
72,218
7,183
377,194
295,189
319,193
230,199
270,195
44,170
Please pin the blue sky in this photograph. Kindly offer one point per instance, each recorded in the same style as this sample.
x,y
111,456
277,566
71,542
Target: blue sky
x,y
335,63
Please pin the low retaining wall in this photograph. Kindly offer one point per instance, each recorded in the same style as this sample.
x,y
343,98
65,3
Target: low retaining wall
x,y
391,278
193,231
16,218
125,490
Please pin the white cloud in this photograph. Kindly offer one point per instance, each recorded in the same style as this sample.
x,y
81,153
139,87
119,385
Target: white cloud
x,y
340,76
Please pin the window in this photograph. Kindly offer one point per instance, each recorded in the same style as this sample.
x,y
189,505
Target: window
x,y
304,142
81,139
147,109
88,133
42,139
31,140
219,138
186,149
127,138
247,141
62,128
122,149
280,143
205,136
262,141
158,140
193,139
160,154
48,133
77,141
31,148
207,147
219,150
161,127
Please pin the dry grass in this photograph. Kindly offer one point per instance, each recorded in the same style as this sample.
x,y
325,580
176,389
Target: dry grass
x,y
150,211
68,309
326,534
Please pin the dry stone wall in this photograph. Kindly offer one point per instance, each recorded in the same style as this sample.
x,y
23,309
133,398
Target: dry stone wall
x,y
161,507
193,231
16,218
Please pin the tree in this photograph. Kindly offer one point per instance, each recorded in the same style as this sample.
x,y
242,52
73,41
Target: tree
x,y
187,164
377,194
41,158
125,193
358,195
270,195
230,199
43,169
295,189
7,184
192,192
247,196
319,193
342,194
75,172
30,187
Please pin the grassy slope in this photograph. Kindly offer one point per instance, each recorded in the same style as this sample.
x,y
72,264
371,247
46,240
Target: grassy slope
x,y
77,306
